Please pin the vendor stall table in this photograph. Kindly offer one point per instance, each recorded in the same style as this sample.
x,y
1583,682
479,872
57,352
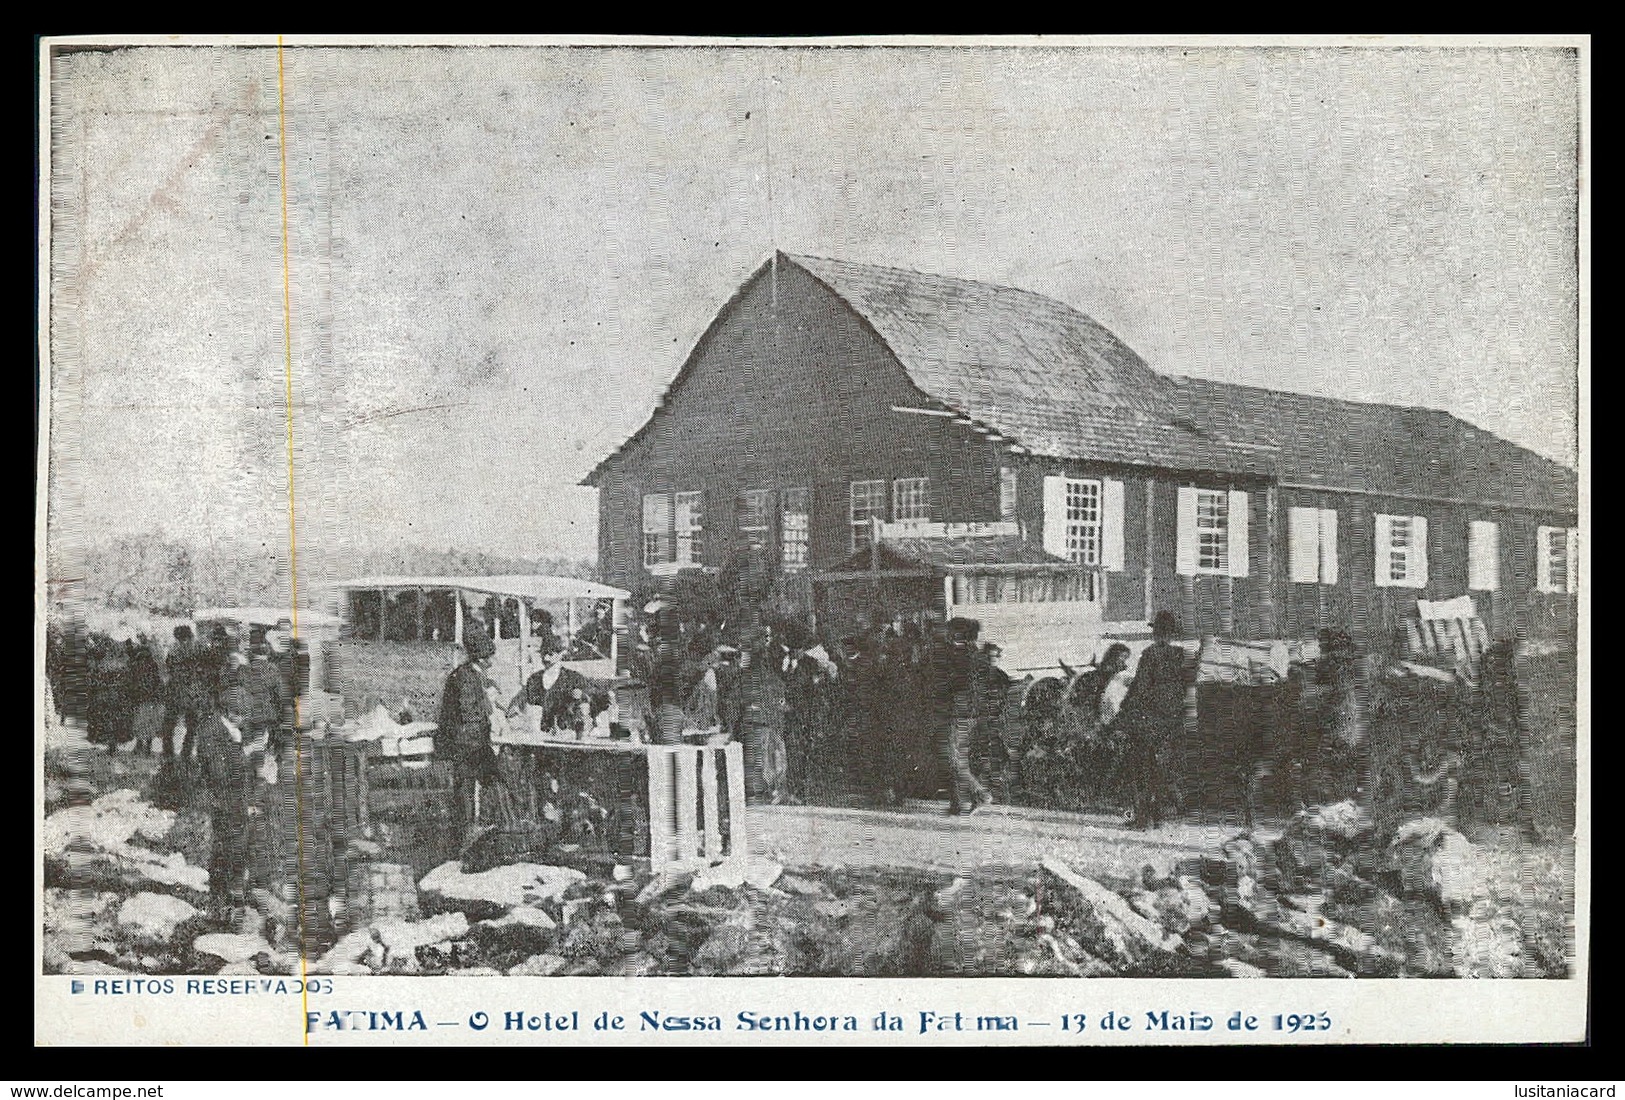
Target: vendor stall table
x,y
689,799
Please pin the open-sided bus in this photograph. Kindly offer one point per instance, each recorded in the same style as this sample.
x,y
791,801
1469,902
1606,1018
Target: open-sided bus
x,y
401,635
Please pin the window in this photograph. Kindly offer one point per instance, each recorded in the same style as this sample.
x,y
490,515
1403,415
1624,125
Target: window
x,y
1212,533
1557,567
366,615
753,509
672,531
1312,545
793,529
401,616
439,615
1401,551
911,500
868,504
1483,556
1007,493
1083,521
501,616
657,534
688,526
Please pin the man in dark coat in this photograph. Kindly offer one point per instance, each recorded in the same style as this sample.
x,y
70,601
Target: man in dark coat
x,y
990,754
464,735
224,763
958,677
860,691
1151,721
807,675
563,695
147,697
758,713
267,697
190,689
290,656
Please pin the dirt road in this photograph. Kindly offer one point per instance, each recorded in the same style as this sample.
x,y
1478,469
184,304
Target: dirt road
x,y
921,837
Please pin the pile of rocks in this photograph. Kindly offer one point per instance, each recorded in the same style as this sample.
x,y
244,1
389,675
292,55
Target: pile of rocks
x,y
1326,899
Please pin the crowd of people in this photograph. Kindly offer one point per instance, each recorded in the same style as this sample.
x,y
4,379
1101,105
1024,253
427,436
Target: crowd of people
x,y
230,704
902,709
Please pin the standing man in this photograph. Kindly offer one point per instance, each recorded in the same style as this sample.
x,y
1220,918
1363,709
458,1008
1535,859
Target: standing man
x,y
189,689
223,760
959,677
991,687
464,736
291,658
146,682
561,693
759,716
1151,720
267,698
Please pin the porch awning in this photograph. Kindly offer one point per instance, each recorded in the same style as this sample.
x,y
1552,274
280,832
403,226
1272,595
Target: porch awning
x,y
926,556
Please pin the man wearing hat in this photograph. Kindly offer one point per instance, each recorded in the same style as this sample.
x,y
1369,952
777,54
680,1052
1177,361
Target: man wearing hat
x,y
561,694
267,697
222,758
960,675
464,736
290,656
756,715
190,688
1151,719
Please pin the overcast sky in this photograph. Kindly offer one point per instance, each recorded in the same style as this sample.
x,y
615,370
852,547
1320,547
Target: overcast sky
x,y
499,257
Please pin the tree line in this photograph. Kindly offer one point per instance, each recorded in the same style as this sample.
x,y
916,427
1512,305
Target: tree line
x,y
170,576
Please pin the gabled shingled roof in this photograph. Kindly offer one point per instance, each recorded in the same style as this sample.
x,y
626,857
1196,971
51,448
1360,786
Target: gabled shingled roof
x,y
1039,372
1393,449
1058,384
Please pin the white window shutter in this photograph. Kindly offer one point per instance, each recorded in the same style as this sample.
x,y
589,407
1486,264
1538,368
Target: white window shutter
x,y
1239,565
1303,539
1055,516
1574,560
1328,546
1543,560
1111,525
1185,559
1382,538
1419,525
1483,556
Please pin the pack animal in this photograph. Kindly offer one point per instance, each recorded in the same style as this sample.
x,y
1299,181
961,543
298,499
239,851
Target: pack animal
x,y
1303,739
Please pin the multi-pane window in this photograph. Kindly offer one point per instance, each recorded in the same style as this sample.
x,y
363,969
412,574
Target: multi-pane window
x,y
672,530
1401,551
1007,493
1211,536
911,499
1212,531
1083,521
658,544
688,528
754,511
794,514
868,503
1557,567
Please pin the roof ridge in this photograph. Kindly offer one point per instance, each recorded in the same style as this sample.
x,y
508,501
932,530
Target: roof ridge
x,y
1182,378
937,275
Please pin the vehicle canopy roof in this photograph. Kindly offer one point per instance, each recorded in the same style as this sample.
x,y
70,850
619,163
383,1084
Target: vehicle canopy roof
x,y
264,616
524,586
